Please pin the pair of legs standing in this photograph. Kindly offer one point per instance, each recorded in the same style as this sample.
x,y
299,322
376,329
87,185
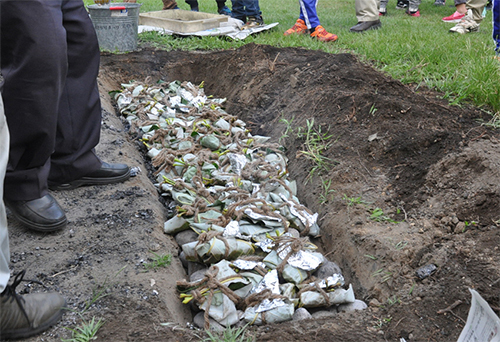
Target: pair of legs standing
x,y
49,62
247,11
308,23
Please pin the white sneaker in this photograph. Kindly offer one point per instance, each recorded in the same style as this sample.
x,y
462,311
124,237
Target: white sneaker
x,y
466,25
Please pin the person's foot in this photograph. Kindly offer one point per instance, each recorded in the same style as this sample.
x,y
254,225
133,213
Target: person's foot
x,y
440,3
29,314
323,35
253,22
107,174
41,214
454,18
382,10
225,11
299,27
195,9
413,12
466,25
366,25
402,4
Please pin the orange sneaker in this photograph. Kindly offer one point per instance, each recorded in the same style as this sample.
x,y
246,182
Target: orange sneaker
x,y
321,34
300,27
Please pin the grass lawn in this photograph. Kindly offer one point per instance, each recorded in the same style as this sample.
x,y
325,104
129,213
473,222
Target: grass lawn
x,y
413,50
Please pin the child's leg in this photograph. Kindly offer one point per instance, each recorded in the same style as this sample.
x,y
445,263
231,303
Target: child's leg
x,y
477,7
222,8
193,4
252,8
169,4
413,5
220,4
238,10
383,6
496,25
308,13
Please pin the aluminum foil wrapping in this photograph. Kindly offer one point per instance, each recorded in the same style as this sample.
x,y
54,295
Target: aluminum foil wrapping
x,y
247,265
304,260
238,162
307,219
284,249
270,281
332,282
232,229
266,245
258,217
267,304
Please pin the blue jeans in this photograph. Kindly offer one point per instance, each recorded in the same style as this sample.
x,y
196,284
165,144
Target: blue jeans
x,y
245,8
496,25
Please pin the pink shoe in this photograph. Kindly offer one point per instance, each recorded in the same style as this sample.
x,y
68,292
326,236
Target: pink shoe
x,y
413,14
454,18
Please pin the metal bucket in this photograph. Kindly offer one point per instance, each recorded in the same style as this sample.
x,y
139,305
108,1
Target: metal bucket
x,y
116,25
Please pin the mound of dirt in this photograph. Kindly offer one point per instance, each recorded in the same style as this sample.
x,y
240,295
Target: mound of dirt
x,y
410,181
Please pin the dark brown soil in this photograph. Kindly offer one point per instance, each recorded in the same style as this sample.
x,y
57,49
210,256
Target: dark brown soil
x,y
432,169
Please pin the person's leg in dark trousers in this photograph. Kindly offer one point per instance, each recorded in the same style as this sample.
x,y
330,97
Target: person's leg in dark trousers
x,y
193,4
50,66
34,67
50,60
79,121
252,8
238,10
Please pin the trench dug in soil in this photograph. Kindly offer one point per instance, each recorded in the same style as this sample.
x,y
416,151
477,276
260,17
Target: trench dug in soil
x,y
432,169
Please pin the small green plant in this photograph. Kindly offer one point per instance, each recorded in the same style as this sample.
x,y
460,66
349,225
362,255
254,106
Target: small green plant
x,y
468,224
229,335
391,301
378,215
99,292
351,201
159,261
384,275
327,193
87,332
380,322
412,288
316,142
494,122
373,110
400,245
371,256
288,128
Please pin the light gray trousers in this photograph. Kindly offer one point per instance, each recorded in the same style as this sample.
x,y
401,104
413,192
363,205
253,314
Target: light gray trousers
x,y
4,233
366,10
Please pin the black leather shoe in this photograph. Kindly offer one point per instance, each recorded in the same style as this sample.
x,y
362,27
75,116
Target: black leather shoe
x,y
42,214
366,25
107,174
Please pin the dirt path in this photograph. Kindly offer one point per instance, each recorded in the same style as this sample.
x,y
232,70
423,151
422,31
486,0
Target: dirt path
x,y
431,170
